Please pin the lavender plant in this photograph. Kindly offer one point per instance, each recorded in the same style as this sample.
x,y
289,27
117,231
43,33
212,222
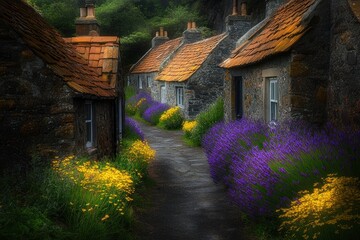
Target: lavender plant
x,y
153,113
132,129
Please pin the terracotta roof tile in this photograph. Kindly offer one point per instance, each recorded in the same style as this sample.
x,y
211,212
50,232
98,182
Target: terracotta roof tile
x,y
101,52
280,33
152,60
47,44
189,59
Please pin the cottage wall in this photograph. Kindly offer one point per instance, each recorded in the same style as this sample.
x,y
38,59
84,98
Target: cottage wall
x,y
254,85
104,130
133,80
343,106
36,107
302,74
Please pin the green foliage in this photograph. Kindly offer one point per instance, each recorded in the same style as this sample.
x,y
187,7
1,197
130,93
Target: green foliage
x,y
171,119
60,14
206,119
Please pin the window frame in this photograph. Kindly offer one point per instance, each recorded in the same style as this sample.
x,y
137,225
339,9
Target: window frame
x,y
89,144
140,85
163,94
148,80
179,93
273,99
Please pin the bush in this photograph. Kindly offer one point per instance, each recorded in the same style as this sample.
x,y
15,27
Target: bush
x,y
206,119
330,211
138,103
188,127
153,113
171,119
132,130
265,169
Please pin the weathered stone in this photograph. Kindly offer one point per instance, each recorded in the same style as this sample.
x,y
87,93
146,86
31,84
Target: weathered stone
x,y
299,101
7,104
298,69
321,95
351,57
65,131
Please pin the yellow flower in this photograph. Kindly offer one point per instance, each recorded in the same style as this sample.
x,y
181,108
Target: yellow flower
x,y
336,203
141,151
169,113
188,126
105,217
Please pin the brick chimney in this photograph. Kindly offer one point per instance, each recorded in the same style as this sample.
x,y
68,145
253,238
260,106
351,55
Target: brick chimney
x,y
86,24
272,6
239,22
192,33
160,38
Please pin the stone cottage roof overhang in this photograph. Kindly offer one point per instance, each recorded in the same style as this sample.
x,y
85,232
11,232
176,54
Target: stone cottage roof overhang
x,y
153,59
284,28
101,54
189,59
48,45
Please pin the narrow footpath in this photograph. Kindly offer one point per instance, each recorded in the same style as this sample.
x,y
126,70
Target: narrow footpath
x,y
185,204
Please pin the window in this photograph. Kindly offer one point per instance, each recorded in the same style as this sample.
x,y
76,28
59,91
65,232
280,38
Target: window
x,y
148,81
163,94
273,99
128,80
180,96
140,86
89,124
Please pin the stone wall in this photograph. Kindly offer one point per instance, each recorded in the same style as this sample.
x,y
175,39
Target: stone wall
x,y
36,108
309,68
104,132
302,74
133,81
254,85
343,106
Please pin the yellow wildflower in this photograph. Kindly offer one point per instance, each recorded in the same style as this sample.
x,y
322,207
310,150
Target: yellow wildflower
x,y
105,217
169,113
140,150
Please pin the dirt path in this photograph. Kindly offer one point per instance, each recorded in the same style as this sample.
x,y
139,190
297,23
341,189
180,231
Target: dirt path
x,y
185,203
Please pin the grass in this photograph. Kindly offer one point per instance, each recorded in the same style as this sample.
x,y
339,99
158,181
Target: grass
x,y
74,198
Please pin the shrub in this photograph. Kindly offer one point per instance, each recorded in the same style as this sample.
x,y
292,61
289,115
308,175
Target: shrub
x,y
330,211
153,113
229,142
141,151
132,130
171,119
188,127
138,103
206,119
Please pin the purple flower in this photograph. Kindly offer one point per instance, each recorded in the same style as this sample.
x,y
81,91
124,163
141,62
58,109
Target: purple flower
x,y
132,129
153,113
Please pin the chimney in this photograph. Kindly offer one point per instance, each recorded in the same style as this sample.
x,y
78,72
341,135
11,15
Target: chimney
x,y
86,24
192,33
160,38
239,22
272,6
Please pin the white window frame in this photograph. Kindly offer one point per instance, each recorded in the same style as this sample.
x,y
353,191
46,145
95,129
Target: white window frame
x,y
90,121
163,94
140,85
179,96
148,81
273,99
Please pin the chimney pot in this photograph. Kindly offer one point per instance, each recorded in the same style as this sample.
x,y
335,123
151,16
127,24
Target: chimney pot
x,y
161,31
193,25
235,7
157,34
166,33
189,25
90,10
83,12
243,9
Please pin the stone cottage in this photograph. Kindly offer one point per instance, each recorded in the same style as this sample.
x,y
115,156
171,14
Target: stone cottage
x,y
280,68
143,73
51,101
192,78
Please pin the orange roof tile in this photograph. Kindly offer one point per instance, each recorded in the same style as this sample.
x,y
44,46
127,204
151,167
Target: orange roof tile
x,y
279,34
189,59
152,60
355,7
48,44
100,52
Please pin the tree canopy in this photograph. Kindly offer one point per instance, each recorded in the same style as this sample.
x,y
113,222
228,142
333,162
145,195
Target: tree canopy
x,y
134,21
